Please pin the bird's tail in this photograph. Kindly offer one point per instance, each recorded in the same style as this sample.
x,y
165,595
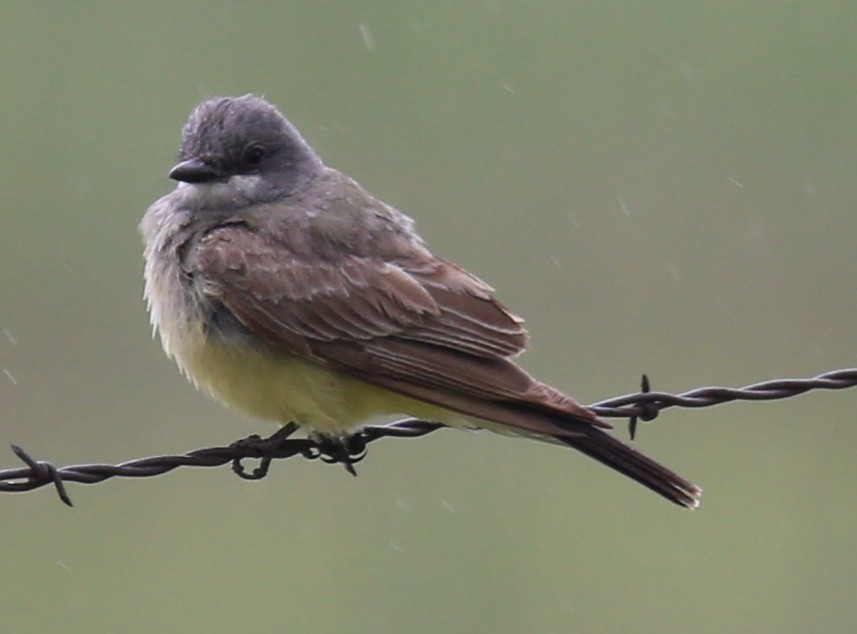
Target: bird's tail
x,y
617,455
541,412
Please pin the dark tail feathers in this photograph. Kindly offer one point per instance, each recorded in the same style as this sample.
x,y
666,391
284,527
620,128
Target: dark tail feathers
x,y
619,456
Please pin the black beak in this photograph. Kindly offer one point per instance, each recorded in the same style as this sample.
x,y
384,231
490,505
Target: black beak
x,y
195,170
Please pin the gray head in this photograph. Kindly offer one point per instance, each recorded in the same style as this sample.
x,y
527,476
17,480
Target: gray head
x,y
242,147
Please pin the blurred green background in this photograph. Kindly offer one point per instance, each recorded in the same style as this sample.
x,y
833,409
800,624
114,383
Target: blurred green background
x,y
658,187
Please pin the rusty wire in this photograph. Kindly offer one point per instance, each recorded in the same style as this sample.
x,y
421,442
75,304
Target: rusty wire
x,y
643,405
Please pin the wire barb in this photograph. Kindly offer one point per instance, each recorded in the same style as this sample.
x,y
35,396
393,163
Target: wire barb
x,y
648,413
349,450
44,472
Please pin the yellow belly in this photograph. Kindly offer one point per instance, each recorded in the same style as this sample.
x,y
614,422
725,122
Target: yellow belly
x,y
286,388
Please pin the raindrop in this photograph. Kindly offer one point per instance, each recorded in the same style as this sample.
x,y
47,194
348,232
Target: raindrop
x,y
368,40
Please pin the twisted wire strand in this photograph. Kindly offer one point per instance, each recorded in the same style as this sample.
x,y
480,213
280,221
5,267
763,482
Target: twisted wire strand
x,y
644,405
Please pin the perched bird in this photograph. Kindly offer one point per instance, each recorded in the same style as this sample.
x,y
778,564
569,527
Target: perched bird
x,y
284,289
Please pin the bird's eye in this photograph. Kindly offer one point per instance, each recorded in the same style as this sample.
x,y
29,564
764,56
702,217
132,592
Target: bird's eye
x,y
253,155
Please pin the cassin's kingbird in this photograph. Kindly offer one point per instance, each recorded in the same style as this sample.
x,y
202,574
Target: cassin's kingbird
x,y
284,289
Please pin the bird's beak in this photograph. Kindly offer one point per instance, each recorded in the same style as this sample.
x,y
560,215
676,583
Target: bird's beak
x,y
195,170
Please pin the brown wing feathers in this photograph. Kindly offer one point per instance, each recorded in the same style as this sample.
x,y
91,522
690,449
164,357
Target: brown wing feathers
x,y
431,332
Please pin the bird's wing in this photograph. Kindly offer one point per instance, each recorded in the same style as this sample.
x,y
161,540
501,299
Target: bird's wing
x,y
424,328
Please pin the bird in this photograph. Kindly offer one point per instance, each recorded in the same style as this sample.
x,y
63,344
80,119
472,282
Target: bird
x,y
284,289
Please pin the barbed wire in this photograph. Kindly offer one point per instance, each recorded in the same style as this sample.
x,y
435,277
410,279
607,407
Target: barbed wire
x,y
644,405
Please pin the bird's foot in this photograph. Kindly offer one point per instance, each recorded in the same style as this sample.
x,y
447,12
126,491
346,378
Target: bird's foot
x,y
266,449
346,450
